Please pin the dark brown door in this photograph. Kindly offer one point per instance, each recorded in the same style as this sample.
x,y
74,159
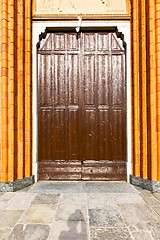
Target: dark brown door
x,y
81,107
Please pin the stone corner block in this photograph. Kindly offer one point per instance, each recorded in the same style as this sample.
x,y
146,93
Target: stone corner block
x,y
16,185
153,186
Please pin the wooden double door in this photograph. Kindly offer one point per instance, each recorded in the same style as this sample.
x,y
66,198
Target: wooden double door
x,y
81,107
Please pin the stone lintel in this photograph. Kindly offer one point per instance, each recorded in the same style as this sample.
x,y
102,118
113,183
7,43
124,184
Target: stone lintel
x,y
16,185
153,186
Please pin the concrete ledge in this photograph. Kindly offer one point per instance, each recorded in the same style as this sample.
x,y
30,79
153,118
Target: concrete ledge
x,y
153,186
18,184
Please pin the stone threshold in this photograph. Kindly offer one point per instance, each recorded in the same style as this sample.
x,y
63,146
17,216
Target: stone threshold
x,y
16,185
153,186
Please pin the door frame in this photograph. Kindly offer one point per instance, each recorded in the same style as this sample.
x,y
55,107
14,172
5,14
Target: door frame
x,y
40,28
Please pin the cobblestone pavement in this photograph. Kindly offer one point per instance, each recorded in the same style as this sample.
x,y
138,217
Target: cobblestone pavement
x,y
80,211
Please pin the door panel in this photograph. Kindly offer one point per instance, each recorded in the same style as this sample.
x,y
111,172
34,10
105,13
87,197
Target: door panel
x,y
90,134
103,135
81,107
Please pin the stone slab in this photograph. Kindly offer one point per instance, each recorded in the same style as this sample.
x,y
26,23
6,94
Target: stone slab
x,y
156,209
124,198
56,187
16,185
153,186
105,218
39,214
154,228
5,198
8,218
107,187
110,234
46,199
157,196
70,230
79,198
71,212
142,236
137,213
150,199
4,233
101,201
21,201
30,232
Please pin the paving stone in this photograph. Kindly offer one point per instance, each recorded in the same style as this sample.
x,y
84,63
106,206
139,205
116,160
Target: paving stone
x,y
80,198
46,199
150,199
141,226
17,233
101,201
110,234
44,214
133,214
20,201
36,231
3,205
110,187
105,218
156,209
56,187
8,218
70,230
30,232
154,228
4,233
7,196
141,236
123,198
143,191
157,196
4,200
71,212
25,189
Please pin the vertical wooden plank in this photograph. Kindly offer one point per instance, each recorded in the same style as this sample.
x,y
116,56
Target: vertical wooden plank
x,y
40,67
45,134
116,108
90,106
103,98
73,107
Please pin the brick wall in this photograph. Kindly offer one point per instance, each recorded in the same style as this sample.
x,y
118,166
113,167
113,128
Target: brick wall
x,y
146,88
0,95
16,89
16,72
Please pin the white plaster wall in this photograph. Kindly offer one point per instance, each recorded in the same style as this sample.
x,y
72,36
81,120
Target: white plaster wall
x,y
38,28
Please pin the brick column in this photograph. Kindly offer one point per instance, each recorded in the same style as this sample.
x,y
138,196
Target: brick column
x,y
16,111
135,80
145,80
157,46
4,90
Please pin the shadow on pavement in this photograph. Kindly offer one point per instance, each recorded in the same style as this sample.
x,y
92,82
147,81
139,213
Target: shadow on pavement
x,y
77,227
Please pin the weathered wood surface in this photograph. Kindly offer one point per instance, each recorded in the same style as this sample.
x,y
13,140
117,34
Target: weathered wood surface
x,y
81,107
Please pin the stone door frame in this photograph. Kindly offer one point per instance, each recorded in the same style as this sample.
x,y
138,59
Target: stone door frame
x,y
39,27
